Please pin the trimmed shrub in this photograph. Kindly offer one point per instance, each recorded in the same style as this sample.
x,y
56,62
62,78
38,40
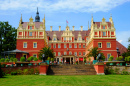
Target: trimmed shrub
x,y
15,59
36,71
22,59
35,59
119,58
11,59
125,73
52,59
19,72
30,58
6,60
2,60
49,58
110,58
127,58
14,73
25,72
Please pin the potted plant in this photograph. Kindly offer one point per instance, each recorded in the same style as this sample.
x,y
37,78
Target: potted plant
x,y
11,60
110,59
30,59
85,61
89,59
15,60
22,59
35,59
52,59
127,59
48,60
6,60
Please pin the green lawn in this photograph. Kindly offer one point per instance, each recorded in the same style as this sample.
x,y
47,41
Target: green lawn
x,y
79,80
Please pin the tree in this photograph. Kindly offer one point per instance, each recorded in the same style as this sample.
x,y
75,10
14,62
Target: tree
x,y
110,58
47,52
7,37
94,52
127,53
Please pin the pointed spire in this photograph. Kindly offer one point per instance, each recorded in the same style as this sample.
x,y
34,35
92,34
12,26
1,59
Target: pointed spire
x,y
92,20
37,18
110,19
21,20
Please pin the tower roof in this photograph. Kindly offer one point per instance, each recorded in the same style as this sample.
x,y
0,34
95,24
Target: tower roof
x,y
37,18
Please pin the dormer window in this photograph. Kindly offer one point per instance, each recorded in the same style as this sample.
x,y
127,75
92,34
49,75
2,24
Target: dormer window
x,y
79,38
30,27
54,39
103,27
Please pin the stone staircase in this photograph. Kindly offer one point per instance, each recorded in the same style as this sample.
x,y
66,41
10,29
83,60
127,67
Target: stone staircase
x,y
71,70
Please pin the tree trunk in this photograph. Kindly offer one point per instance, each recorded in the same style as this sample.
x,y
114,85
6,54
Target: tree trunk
x,y
94,58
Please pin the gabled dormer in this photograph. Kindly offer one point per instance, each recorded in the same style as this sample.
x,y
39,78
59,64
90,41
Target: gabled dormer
x,y
79,39
54,39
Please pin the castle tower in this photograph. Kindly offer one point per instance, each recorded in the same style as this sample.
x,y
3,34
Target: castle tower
x,y
37,18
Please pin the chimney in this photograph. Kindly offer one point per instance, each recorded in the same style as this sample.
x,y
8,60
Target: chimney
x,y
50,28
81,28
59,28
73,28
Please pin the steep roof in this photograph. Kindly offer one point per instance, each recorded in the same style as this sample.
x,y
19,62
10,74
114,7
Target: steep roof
x,y
75,33
121,47
37,24
98,24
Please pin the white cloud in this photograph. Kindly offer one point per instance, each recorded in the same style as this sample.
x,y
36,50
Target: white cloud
x,y
122,37
61,5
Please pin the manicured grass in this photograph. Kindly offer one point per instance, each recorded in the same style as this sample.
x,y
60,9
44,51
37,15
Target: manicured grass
x,y
79,80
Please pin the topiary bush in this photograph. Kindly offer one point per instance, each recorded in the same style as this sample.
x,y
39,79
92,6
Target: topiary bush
x,y
124,73
11,59
15,59
6,60
119,58
127,58
2,60
110,58
30,58
22,59
35,59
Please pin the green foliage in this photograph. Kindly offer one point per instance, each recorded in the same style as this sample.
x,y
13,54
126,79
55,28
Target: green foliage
x,y
11,59
119,58
1,72
124,73
110,58
52,59
109,70
22,59
19,72
2,60
36,71
14,73
6,60
127,58
35,59
7,37
47,51
49,58
15,59
103,57
89,59
30,58
84,59
93,52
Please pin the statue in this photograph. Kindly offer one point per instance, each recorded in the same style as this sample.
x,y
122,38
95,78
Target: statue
x,y
99,57
43,58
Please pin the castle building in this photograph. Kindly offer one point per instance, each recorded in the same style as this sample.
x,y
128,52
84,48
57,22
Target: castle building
x,y
68,45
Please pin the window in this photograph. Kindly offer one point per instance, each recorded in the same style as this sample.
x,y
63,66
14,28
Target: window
x,y
70,38
34,55
58,53
64,45
54,39
104,33
70,53
70,46
83,53
35,45
75,53
79,45
50,46
30,27
83,46
54,53
79,38
79,53
103,27
65,38
54,46
108,45
59,46
75,46
30,33
108,55
25,45
99,45
64,53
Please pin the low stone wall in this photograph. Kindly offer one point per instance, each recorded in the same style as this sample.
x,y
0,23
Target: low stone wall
x,y
119,68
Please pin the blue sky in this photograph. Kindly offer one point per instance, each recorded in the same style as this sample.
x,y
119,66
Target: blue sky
x,y
76,12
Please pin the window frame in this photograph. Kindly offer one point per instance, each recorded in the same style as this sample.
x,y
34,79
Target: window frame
x,y
59,46
65,46
35,54
79,53
104,33
101,45
30,27
76,53
110,45
79,45
30,33
34,43
107,55
103,27
59,53
23,44
74,45
54,45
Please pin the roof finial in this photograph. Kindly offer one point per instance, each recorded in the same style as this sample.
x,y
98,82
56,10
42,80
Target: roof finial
x,y
21,19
